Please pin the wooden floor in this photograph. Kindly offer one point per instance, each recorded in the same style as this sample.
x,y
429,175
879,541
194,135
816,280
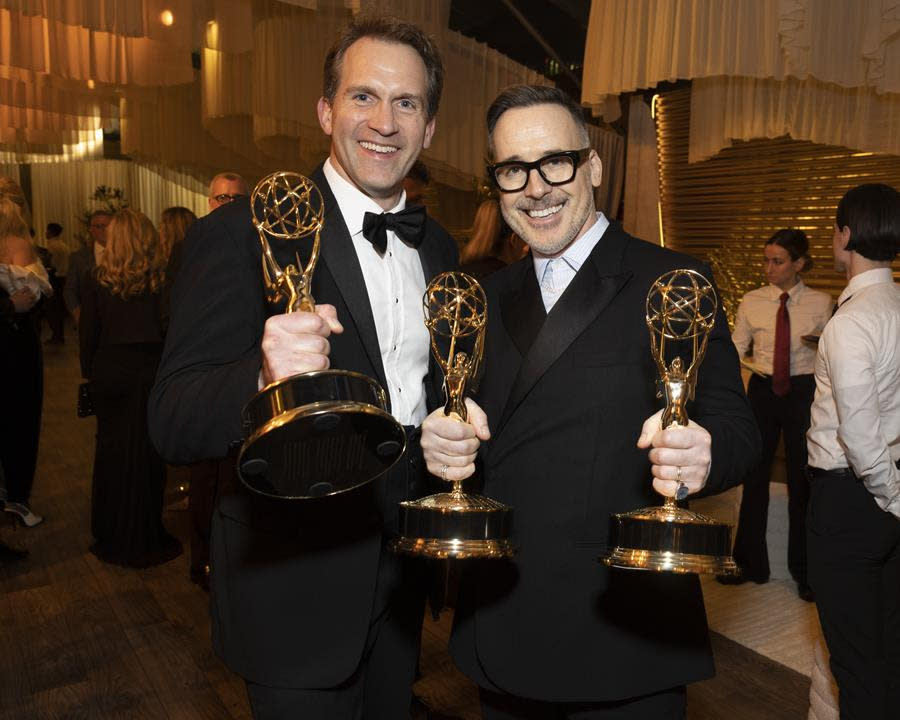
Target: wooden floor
x,y
80,639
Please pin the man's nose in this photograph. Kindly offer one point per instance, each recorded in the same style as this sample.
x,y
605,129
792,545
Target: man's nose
x,y
383,120
536,187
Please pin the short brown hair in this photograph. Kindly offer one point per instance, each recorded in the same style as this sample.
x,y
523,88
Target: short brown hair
x,y
392,30
516,96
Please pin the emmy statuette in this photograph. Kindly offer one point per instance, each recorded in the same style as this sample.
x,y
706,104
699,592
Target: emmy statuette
x,y
317,433
681,308
454,524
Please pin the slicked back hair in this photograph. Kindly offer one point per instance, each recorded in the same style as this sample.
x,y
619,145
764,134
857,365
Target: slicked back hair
x,y
392,30
795,242
518,96
872,212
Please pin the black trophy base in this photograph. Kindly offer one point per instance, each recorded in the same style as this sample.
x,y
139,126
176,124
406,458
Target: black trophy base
x,y
454,525
319,450
670,539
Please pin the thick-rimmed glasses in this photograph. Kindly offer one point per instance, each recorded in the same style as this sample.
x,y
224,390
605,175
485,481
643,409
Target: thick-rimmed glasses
x,y
225,197
556,169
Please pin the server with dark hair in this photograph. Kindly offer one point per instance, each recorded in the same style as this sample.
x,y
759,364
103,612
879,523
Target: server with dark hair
x,y
775,319
854,453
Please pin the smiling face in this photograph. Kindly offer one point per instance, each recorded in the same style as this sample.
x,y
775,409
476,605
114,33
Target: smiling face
x,y
548,218
780,270
377,121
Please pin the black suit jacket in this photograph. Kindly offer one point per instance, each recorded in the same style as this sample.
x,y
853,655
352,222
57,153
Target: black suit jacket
x,y
293,583
81,262
566,394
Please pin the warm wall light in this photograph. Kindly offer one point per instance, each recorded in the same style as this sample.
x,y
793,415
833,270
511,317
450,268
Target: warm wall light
x,y
212,35
91,84
167,17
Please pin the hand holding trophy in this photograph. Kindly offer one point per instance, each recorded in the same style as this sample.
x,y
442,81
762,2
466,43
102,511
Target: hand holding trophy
x,y
681,309
316,433
454,524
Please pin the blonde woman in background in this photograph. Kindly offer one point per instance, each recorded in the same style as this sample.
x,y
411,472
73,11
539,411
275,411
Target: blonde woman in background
x,y
491,244
121,338
23,281
173,226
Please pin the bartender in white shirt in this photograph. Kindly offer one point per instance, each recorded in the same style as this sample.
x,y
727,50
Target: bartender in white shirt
x,y
775,318
854,450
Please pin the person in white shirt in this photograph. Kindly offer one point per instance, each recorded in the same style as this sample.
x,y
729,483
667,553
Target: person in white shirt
x,y
780,401
853,523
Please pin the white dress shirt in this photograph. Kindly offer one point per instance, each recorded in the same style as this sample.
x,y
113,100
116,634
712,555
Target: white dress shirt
x,y
856,410
555,274
808,310
395,284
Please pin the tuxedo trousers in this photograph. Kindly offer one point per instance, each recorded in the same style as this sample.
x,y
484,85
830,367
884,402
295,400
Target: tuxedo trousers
x,y
854,569
381,686
776,416
665,705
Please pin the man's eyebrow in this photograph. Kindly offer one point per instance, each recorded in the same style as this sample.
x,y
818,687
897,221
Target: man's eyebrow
x,y
356,89
518,158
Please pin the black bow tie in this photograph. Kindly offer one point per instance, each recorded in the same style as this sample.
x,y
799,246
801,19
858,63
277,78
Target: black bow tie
x,y
409,225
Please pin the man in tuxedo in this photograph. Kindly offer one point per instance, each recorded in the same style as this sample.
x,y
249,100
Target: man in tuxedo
x,y
85,259
308,605
565,416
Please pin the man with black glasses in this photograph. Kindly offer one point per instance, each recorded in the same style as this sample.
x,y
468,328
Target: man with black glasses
x,y
224,188
568,393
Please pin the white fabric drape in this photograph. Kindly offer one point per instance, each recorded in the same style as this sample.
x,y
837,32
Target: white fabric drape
x,y
821,70
641,211
739,108
62,193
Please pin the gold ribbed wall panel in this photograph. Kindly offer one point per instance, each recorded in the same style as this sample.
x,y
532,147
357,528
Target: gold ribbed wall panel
x,y
724,209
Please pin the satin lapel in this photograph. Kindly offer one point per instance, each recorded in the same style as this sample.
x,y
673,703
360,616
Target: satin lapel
x,y
428,256
338,253
591,290
522,308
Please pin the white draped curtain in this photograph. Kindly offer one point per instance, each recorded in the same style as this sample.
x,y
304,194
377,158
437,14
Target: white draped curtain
x,y
70,69
821,70
62,193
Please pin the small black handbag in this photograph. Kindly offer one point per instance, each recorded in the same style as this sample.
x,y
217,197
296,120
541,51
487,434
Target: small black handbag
x,y
85,400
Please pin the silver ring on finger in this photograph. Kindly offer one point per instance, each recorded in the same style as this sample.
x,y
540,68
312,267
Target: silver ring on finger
x,y
681,492
444,469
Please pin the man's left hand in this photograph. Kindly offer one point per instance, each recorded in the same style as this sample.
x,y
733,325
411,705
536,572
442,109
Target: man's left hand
x,y
687,448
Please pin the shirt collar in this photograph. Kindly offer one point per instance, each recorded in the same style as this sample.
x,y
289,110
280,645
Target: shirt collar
x,y
579,251
864,280
798,288
352,202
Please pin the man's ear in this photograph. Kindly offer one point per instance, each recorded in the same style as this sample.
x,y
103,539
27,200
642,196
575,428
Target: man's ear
x,y
429,133
596,168
323,109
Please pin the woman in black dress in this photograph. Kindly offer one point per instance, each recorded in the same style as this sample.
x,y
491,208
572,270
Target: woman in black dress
x,y
121,342
21,359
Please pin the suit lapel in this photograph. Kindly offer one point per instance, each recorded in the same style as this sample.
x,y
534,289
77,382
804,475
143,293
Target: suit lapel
x,y
522,308
591,290
339,255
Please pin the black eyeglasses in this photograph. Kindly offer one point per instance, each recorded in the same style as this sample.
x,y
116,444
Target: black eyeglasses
x,y
225,197
556,169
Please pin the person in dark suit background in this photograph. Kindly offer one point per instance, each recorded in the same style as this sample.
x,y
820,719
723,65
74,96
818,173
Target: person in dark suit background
x,y
308,605
567,389
83,260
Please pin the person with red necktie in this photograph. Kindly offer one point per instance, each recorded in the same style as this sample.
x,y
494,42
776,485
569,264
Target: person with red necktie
x,y
775,318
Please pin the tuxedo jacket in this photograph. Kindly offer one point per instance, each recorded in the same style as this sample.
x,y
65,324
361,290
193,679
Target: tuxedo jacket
x,y
566,394
81,262
293,583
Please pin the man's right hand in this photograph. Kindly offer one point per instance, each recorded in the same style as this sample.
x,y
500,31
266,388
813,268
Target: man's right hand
x,y
451,445
297,342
